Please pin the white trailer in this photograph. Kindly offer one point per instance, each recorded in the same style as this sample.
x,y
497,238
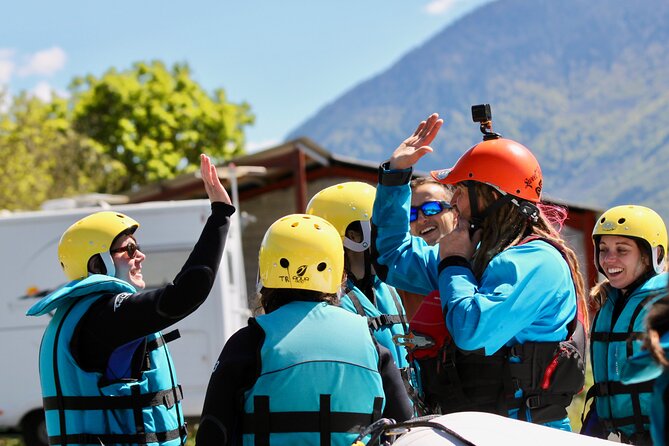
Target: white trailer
x,y
29,269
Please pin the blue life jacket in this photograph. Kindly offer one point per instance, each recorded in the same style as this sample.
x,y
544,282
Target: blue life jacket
x,y
622,408
319,381
386,317
85,407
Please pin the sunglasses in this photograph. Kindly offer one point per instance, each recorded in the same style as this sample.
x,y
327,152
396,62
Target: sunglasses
x,y
429,208
131,249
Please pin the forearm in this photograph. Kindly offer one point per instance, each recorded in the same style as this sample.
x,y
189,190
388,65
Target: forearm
x,y
398,406
236,370
400,260
194,282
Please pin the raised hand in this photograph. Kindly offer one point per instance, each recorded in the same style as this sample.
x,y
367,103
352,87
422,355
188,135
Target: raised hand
x,y
212,184
415,146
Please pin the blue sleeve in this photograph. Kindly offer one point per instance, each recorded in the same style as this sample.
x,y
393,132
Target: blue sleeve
x,y
403,261
526,294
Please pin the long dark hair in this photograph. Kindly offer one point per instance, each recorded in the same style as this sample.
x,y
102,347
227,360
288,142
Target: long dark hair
x,y
507,227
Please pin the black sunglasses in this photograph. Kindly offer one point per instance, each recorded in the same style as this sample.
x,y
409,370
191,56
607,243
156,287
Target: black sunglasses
x,y
131,249
429,208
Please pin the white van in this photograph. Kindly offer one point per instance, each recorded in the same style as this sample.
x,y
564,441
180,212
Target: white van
x,y
29,269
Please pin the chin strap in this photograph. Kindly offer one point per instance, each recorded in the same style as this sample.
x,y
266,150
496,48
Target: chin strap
x,y
366,238
109,264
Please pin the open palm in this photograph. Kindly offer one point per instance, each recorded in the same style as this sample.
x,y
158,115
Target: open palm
x,y
418,144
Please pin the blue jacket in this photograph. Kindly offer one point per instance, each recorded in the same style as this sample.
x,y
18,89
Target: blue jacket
x,y
386,319
83,407
526,293
622,408
312,384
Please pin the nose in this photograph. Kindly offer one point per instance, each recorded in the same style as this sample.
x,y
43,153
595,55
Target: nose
x,y
607,257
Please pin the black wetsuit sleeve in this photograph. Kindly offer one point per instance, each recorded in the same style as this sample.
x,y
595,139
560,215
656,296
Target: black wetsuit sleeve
x,y
398,406
236,371
118,319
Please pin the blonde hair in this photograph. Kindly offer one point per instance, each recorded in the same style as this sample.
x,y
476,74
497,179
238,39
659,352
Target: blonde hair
x,y
507,227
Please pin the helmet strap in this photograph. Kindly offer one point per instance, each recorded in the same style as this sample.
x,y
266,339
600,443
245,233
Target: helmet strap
x,y
478,217
366,238
109,264
657,261
526,208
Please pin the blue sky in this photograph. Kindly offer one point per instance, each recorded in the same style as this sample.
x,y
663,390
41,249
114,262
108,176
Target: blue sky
x,y
286,58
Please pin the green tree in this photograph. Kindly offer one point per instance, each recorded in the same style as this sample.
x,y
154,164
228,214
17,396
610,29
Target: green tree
x,y
155,122
42,156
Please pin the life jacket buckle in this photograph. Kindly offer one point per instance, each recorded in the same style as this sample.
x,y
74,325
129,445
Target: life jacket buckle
x,y
412,341
533,402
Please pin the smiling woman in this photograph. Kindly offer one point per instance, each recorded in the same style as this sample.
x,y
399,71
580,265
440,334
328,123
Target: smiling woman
x,y
630,251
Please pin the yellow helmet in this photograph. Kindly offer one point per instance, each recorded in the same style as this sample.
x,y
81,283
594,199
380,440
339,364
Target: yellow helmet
x,y
343,204
93,234
634,221
301,251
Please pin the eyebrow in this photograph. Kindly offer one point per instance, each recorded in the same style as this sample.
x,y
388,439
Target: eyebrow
x,y
625,243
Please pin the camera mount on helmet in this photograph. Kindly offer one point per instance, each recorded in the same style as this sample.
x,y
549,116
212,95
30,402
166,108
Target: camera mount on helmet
x,y
482,114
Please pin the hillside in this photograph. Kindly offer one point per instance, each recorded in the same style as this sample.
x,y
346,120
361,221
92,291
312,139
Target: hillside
x,y
583,83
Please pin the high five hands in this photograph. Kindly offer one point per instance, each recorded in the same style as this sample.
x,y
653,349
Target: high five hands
x,y
415,146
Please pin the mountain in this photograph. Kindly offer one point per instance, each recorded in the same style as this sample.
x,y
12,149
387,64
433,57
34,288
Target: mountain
x,y
583,83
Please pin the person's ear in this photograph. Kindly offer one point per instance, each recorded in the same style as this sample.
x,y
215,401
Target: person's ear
x,y
96,265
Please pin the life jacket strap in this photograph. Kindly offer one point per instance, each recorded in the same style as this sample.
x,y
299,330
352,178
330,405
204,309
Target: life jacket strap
x,y
616,388
384,320
98,439
164,339
168,398
261,423
606,337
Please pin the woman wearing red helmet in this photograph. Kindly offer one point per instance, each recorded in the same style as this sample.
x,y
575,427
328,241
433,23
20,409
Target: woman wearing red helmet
x,y
509,285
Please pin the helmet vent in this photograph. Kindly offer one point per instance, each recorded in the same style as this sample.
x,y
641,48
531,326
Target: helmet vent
x,y
321,266
471,175
621,221
603,219
284,262
294,225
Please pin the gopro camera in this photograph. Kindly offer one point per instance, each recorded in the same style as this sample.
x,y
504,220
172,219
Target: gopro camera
x,y
481,113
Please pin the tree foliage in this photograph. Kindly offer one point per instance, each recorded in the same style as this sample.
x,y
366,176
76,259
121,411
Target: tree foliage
x,y
120,131
42,156
156,121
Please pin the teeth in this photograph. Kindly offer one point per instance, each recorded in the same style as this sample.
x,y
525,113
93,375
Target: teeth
x,y
426,230
614,270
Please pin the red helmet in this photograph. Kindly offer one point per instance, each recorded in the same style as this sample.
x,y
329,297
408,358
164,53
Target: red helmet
x,y
502,163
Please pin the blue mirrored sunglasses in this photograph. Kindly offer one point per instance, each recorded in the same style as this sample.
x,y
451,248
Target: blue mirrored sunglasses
x,y
429,208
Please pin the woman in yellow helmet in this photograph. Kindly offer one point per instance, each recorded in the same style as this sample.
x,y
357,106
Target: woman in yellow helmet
x,y
348,207
306,371
630,251
107,376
